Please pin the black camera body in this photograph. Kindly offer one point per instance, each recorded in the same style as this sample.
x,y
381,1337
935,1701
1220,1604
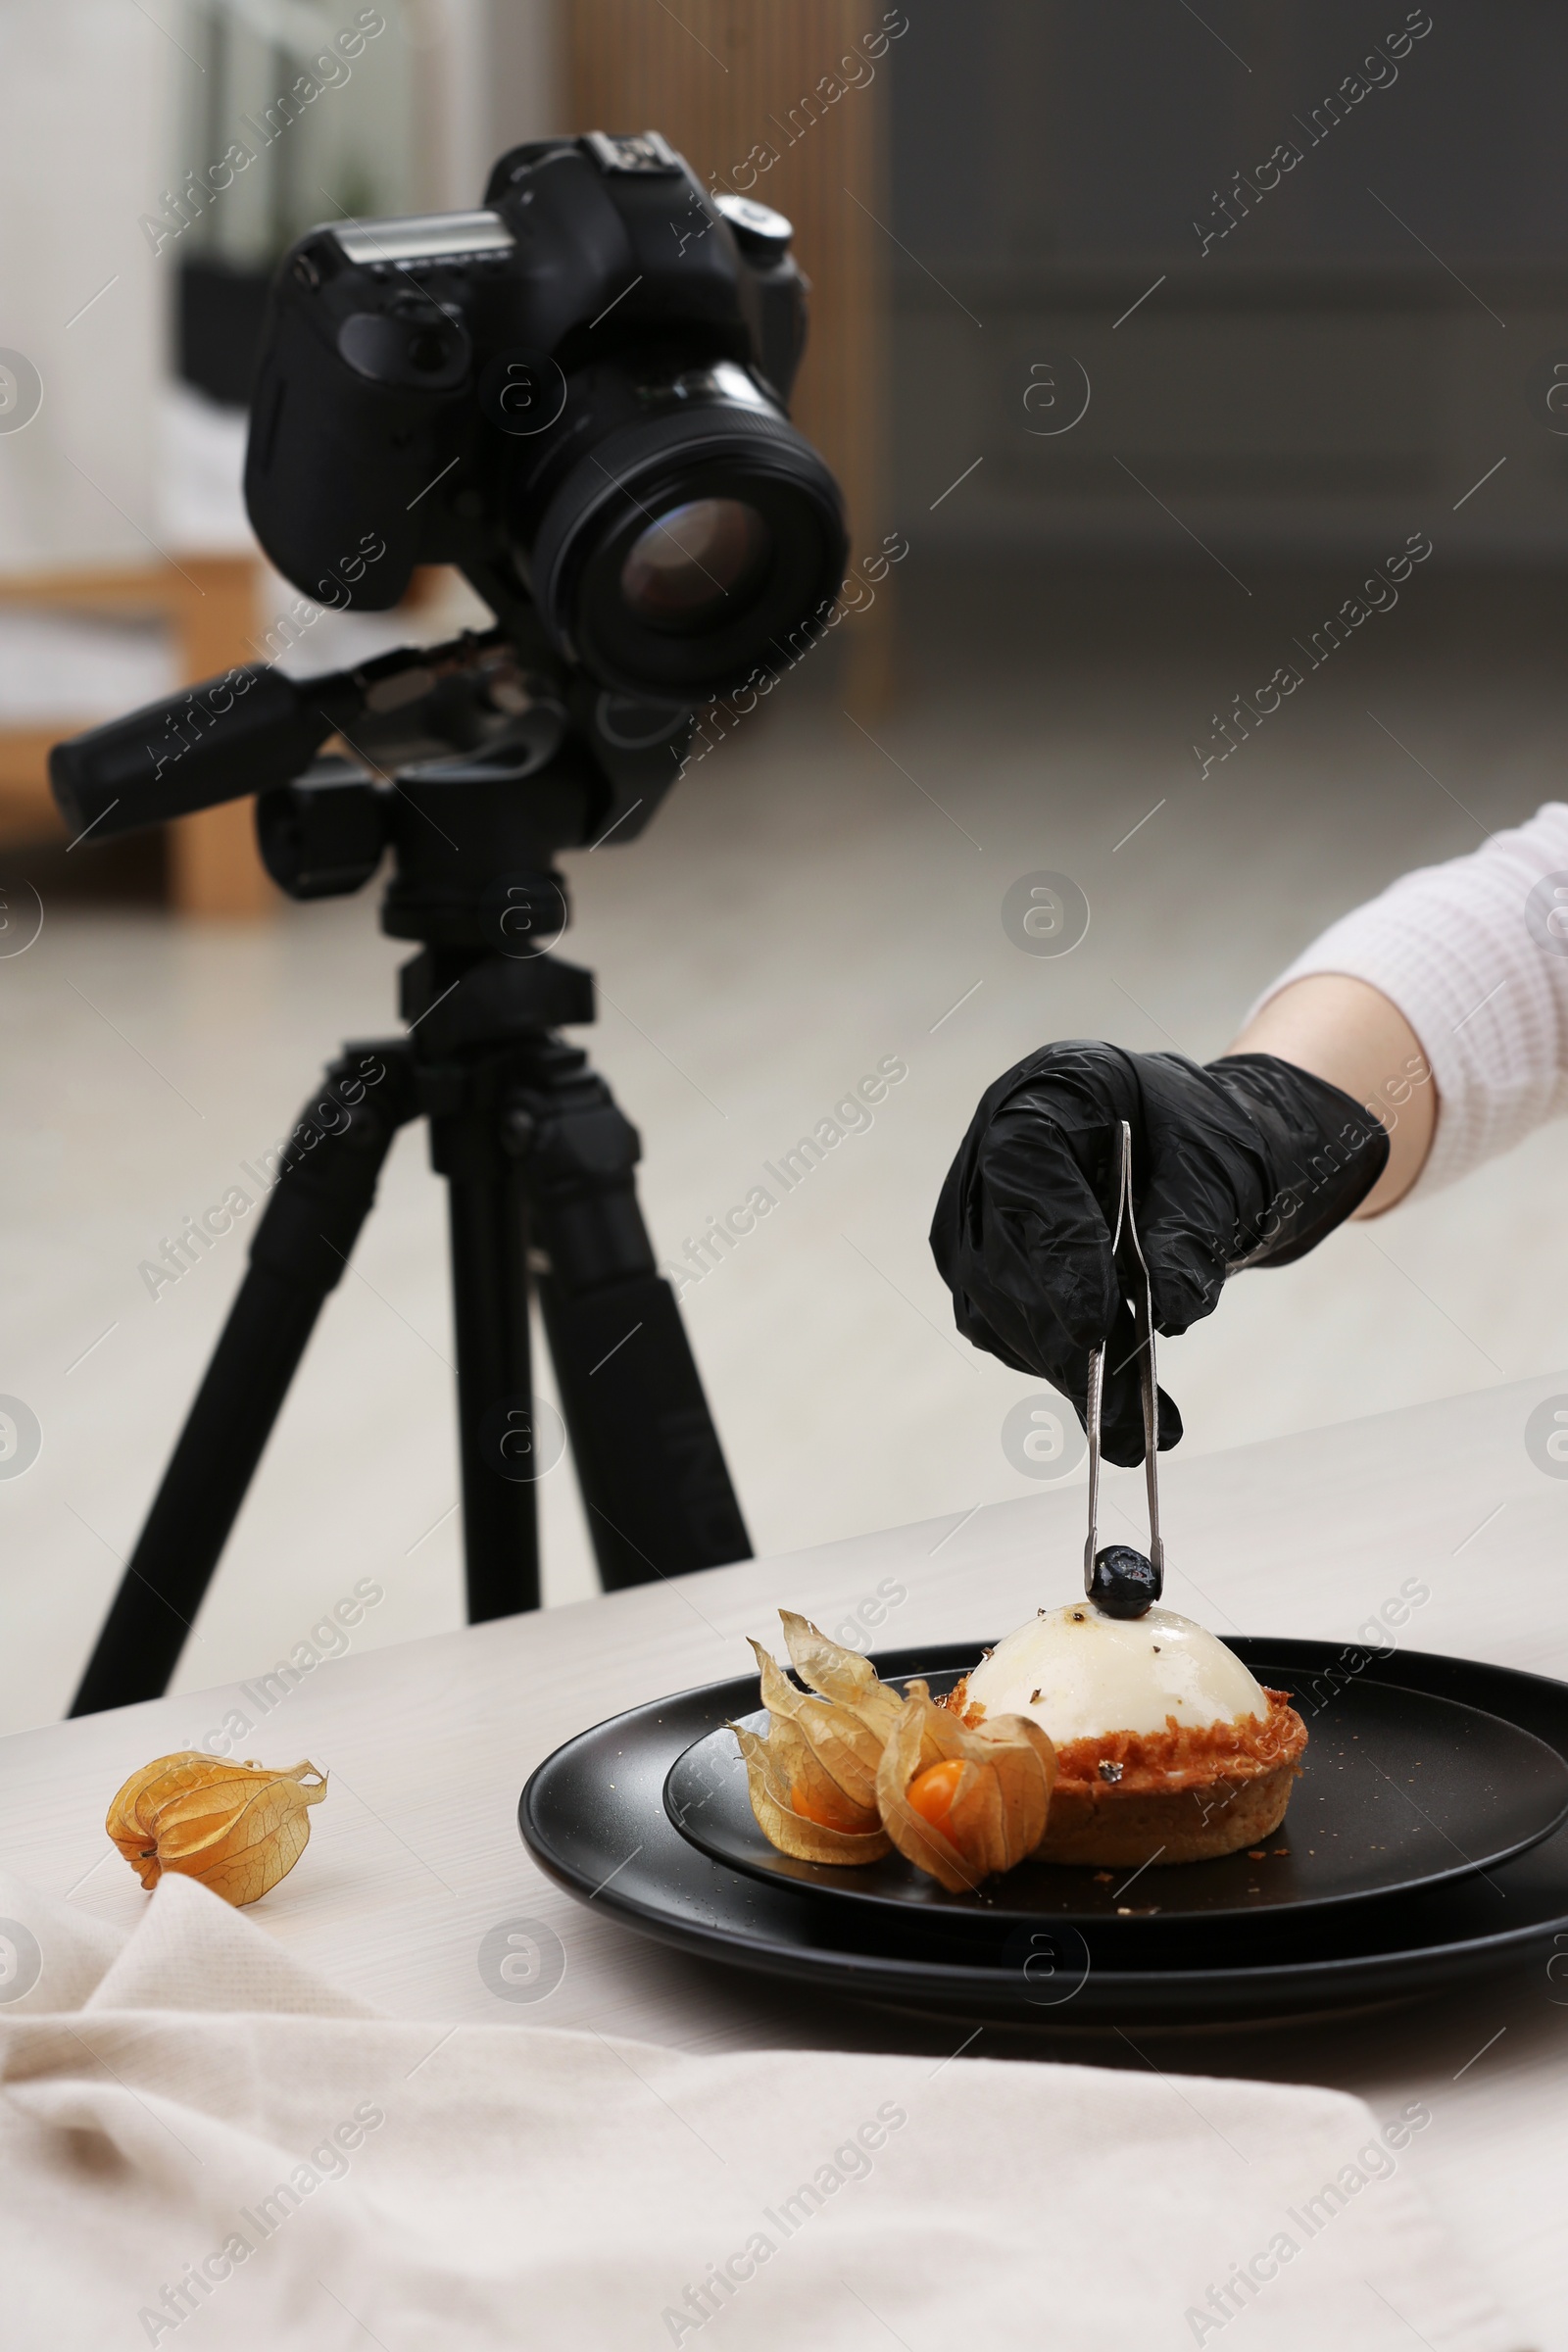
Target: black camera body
x,y
578,396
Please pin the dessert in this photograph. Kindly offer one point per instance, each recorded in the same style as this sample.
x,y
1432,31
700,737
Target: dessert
x,y
1085,1737
1166,1745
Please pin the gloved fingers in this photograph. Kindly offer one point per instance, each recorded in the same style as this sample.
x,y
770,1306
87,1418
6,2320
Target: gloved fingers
x,y
1203,1180
1121,1407
1187,1266
1121,1411
1021,1242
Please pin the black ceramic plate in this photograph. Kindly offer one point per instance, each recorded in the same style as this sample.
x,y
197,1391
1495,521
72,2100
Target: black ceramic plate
x,y
1399,1790
593,1817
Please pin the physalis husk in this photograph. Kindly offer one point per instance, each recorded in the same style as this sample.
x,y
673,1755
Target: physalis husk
x,y
239,1827
812,1781
961,1804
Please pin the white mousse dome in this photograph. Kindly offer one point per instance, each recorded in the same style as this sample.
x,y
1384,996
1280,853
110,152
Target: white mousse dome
x,y
1080,1675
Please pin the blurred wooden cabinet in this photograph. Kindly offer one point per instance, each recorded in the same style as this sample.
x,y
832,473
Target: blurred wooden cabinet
x,y
784,101
209,602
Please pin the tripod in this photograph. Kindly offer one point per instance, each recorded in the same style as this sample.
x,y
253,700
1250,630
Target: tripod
x,y
538,1162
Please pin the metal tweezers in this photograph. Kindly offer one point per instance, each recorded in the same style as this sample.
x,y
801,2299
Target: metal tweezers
x,y
1143,1307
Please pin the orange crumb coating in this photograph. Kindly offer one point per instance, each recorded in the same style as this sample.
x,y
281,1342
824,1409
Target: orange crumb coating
x,y
1183,1755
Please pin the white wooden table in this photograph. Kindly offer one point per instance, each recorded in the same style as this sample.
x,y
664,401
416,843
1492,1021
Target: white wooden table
x,y
416,1855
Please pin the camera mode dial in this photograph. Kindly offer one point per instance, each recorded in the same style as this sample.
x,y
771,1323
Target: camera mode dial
x,y
761,235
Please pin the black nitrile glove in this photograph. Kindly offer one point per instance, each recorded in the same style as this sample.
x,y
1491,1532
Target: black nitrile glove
x,y
1246,1163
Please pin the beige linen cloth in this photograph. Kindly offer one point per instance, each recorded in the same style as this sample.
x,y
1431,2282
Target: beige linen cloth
x,y
206,2144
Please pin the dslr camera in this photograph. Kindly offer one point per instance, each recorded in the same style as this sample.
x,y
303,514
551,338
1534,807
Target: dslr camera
x,y
578,395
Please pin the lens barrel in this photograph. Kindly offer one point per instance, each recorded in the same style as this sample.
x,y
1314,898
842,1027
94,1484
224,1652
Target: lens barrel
x,y
680,553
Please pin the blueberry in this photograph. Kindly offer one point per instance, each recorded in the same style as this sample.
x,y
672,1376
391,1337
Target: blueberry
x,y
1125,1583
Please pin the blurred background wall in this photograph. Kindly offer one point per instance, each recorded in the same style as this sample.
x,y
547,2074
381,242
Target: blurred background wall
x,y
1343,230
85,302
1140,329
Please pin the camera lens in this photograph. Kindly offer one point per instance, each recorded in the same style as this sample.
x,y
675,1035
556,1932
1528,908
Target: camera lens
x,y
680,536
688,564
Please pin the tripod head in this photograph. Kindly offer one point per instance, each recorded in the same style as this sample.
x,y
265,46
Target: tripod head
x,y
473,838
473,769
256,730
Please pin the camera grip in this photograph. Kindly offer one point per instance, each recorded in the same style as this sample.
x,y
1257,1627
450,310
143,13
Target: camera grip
x,y
334,464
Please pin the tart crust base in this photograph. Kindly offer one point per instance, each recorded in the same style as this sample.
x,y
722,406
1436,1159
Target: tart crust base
x,y
1108,1826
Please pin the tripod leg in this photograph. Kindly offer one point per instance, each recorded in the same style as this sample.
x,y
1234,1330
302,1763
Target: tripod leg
x,y
653,1477
658,1493
302,1244
497,1439
498,1432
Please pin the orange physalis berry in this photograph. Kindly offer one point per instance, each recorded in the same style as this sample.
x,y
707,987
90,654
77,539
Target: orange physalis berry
x,y
933,1791
828,1806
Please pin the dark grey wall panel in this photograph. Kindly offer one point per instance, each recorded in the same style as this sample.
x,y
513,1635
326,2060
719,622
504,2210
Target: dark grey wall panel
x,y
1311,364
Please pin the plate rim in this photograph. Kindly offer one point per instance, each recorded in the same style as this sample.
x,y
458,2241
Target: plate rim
x,y
710,1940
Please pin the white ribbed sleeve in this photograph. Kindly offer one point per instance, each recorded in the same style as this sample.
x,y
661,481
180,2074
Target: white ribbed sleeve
x,y
1450,947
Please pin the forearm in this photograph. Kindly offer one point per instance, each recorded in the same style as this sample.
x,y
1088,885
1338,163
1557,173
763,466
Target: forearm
x,y
1351,1034
1460,969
